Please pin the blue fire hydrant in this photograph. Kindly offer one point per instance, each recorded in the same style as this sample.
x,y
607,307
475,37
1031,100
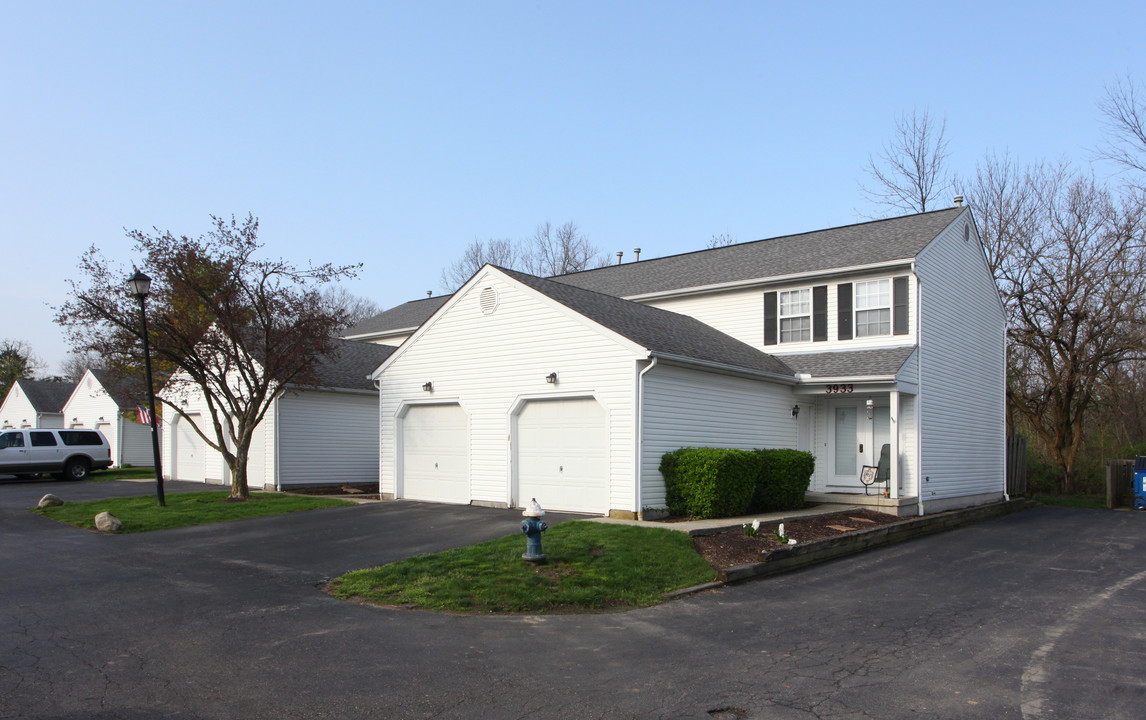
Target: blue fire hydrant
x,y
533,526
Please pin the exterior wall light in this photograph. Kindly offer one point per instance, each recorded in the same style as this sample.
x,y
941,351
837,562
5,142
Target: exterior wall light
x,y
551,378
795,411
428,387
870,408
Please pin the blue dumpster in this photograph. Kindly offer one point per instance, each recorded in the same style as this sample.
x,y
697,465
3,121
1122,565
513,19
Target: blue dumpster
x,y
1140,482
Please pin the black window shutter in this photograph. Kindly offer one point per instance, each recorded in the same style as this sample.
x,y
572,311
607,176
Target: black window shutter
x,y
899,305
769,318
844,303
820,313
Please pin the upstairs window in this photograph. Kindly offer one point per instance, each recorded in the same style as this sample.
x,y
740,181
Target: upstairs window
x,y
796,316
873,308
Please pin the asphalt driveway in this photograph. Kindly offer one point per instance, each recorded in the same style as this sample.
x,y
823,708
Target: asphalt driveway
x,y
1035,615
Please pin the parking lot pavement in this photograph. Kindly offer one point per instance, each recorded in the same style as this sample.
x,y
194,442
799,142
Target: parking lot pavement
x,y
1034,615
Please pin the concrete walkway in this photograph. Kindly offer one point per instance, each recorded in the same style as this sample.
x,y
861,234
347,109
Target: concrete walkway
x,y
717,525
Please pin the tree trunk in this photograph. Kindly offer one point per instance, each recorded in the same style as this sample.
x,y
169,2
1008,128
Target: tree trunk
x,y
239,489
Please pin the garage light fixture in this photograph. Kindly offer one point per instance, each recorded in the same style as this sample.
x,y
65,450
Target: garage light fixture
x,y
551,378
795,411
428,387
870,408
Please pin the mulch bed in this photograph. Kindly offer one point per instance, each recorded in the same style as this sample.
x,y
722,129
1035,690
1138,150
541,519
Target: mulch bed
x,y
732,548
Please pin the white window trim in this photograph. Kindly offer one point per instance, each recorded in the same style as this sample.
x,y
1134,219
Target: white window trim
x,y
805,301
883,283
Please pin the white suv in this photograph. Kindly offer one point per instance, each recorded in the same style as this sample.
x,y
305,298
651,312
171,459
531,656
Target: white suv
x,y
66,454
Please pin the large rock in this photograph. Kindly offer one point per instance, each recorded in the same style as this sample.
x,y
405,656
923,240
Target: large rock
x,y
106,522
49,500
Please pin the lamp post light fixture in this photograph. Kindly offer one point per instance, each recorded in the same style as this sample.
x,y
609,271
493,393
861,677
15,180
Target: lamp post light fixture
x,y
140,286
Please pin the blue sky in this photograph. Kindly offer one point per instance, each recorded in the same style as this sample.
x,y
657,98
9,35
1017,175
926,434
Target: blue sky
x,y
394,134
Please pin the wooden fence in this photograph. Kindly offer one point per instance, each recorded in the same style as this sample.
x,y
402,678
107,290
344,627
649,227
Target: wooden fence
x,y
1119,483
1016,465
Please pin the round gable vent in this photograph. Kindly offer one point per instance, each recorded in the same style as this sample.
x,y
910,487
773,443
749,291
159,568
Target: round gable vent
x,y
488,301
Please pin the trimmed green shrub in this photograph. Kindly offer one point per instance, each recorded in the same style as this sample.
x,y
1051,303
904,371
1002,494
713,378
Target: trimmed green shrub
x,y
709,482
783,480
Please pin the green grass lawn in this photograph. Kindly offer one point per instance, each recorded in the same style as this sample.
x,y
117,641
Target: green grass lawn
x,y
142,514
592,566
122,474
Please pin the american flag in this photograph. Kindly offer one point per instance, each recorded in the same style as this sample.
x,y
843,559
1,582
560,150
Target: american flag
x,y
144,415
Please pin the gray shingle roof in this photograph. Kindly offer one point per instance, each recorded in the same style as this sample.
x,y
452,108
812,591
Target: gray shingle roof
x,y
47,396
852,363
660,331
823,250
127,392
351,367
407,315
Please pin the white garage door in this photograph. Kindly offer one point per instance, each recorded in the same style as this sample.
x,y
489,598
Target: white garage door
x,y
435,460
189,453
562,455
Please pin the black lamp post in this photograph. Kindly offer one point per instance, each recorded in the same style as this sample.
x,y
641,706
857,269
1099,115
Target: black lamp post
x,y
141,287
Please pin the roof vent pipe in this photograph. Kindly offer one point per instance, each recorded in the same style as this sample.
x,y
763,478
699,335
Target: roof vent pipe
x,y
429,293
620,254
958,201
636,254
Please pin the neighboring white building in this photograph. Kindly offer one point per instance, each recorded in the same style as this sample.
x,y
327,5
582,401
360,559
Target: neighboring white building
x,y
35,404
108,404
838,342
311,436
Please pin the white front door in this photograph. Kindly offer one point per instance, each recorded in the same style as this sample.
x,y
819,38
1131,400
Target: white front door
x,y
854,441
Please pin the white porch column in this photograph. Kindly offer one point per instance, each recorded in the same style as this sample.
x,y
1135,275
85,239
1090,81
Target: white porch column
x,y
893,411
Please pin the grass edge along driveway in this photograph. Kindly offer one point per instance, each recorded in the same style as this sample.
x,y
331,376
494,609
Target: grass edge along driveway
x,y
141,513
592,567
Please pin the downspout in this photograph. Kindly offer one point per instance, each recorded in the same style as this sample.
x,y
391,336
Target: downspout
x,y
919,392
1006,495
377,382
640,429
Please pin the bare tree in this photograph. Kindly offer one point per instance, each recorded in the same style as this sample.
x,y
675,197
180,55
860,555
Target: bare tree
x,y
356,307
503,253
78,363
1070,260
1124,119
724,239
550,251
560,250
911,173
230,327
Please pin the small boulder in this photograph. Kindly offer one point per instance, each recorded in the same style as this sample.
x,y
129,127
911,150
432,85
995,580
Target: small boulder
x,y
106,522
49,500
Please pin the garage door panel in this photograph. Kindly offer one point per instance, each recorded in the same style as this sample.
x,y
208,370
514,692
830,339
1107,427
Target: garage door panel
x,y
189,453
435,457
562,453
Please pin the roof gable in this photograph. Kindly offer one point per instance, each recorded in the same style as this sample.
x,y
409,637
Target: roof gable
x,y
46,396
661,332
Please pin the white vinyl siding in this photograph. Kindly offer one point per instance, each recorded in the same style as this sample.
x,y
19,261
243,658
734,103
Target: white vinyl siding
x,y
91,406
962,370
326,437
17,412
683,407
740,313
492,364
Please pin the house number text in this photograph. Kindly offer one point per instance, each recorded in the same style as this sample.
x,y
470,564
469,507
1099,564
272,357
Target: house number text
x,y
839,389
